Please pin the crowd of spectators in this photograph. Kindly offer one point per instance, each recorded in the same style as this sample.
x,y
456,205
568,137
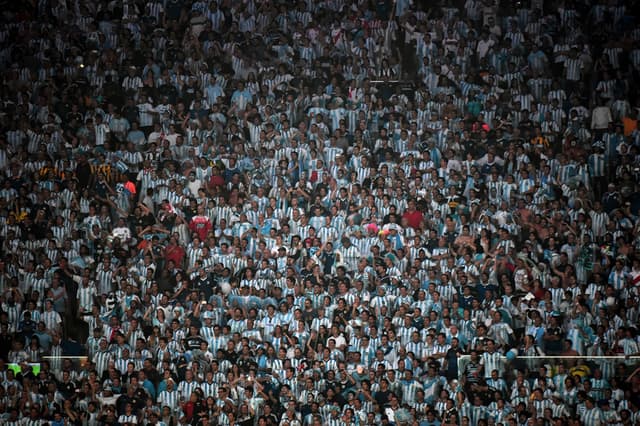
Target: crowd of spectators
x,y
332,212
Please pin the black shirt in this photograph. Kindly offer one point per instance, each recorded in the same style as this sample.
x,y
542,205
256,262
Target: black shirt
x,y
193,342
382,397
67,389
452,362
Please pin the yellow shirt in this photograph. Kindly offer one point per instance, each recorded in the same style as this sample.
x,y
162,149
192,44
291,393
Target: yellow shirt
x,y
105,169
540,140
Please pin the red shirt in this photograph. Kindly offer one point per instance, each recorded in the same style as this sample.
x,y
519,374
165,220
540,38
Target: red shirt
x,y
175,253
188,409
216,181
414,218
201,225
